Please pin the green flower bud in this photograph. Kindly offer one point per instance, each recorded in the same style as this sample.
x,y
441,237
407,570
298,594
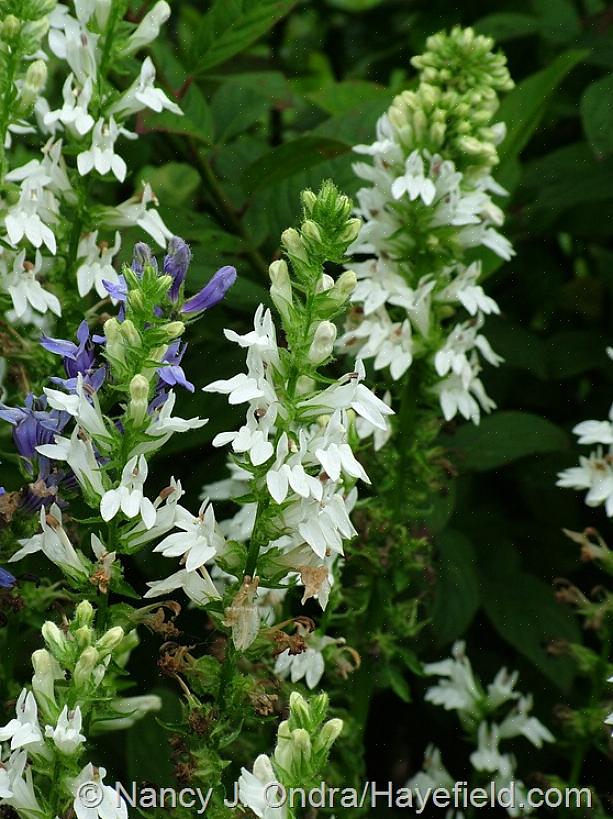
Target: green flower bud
x,y
174,329
83,636
54,637
110,640
304,385
309,199
11,26
114,340
323,342
351,231
311,231
281,287
129,333
33,83
46,671
324,284
346,284
84,613
293,244
300,713
328,735
139,399
85,666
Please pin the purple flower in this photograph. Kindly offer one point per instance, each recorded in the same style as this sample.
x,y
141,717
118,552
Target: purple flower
x,y
176,263
212,293
33,426
118,290
7,581
171,373
77,359
142,256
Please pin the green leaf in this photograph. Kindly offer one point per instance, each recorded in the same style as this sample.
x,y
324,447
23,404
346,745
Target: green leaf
x,y
505,437
525,613
576,351
230,26
397,683
245,98
341,97
457,595
289,159
174,183
597,115
507,25
558,20
196,121
523,109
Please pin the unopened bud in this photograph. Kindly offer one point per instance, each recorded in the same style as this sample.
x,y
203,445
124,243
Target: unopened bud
x,y
311,231
328,735
129,333
46,671
325,283
304,385
11,26
281,287
323,342
299,710
346,284
84,613
114,340
33,83
110,639
293,244
149,28
139,399
351,230
54,637
103,10
174,329
83,636
309,200
85,666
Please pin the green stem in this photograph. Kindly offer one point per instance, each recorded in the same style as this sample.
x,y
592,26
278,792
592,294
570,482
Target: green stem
x,y
5,115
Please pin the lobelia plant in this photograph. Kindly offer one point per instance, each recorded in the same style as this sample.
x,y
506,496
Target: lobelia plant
x,y
59,229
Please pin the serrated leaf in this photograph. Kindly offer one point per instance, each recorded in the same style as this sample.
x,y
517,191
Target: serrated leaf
x,y
231,26
457,595
505,437
291,158
597,115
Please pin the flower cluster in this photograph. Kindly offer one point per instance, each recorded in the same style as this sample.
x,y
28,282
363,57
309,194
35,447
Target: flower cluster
x,y
303,743
54,231
73,694
479,712
427,208
96,429
293,467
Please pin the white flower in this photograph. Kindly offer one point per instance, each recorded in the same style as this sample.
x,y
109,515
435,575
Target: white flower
x,y
609,719
23,731
74,112
163,423
458,690
322,524
136,212
519,722
434,773
149,27
25,289
128,496
487,757
198,542
96,264
197,585
79,454
67,734
257,790
334,453
24,218
380,436
414,182
101,155
309,664
464,289
16,786
86,412
93,798
167,512
143,94
594,473
287,471
54,543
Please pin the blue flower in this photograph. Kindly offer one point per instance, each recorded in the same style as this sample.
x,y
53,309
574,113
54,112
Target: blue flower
x,y
33,426
7,581
176,263
77,359
212,293
171,373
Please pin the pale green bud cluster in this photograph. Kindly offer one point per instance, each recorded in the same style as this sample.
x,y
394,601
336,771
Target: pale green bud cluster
x,y
450,112
304,740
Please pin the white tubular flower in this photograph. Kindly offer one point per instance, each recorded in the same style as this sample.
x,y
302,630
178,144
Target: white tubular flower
x,y
199,540
519,722
25,290
164,424
414,182
128,496
24,219
310,664
149,27
16,786
257,790
71,40
54,543
135,212
23,731
66,735
78,452
167,512
85,411
458,690
93,798
96,264
197,585
127,711
143,94
73,113
101,155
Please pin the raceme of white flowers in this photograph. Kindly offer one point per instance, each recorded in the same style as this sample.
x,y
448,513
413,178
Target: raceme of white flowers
x,y
594,475
488,716
52,226
73,693
427,209
293,466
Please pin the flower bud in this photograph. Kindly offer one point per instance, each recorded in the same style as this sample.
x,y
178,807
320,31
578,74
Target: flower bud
x,y
85,666
129,333
328,735
143,257
346,284
83,636
323,342
103,10
309,199
351,230
46,671
127,711
139,399
114,340
176,263
174,329
149,28
110,639
281,287
10,28
33,83
311,231
325,283
54,637
304,385
299,710
293,244
84,613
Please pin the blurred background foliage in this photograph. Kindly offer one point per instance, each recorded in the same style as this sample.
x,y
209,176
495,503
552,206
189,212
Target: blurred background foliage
x,y
275,95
